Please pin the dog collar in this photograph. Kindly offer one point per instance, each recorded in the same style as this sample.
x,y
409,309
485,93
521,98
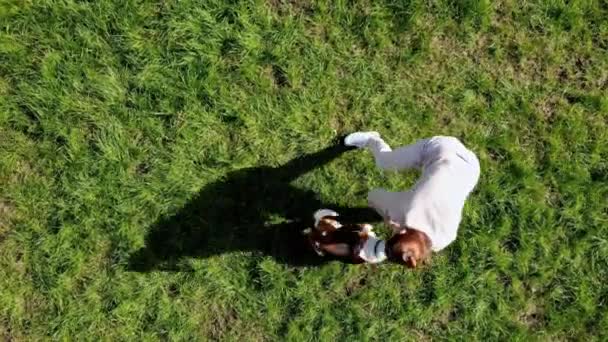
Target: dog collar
x,y
378,243
373,250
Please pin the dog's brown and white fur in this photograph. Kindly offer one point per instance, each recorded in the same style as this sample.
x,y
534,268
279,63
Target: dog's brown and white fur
x,y
344,242
409,247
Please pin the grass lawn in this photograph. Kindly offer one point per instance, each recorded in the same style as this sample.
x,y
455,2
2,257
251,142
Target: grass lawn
x,y
157,158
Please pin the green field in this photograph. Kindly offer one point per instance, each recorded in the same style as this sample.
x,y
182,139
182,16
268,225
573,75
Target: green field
x,y
157,160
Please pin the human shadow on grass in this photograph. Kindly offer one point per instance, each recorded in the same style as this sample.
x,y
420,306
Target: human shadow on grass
x,y
233,214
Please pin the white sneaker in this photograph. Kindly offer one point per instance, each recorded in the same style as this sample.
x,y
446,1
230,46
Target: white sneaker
x,y
360,139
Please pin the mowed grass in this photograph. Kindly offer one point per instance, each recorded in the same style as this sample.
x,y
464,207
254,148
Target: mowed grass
x,y
115,114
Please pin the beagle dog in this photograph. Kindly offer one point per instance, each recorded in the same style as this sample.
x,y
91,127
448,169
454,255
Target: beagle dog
x,y
354,243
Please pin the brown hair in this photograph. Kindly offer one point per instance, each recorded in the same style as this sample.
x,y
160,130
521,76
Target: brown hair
x,y
409,247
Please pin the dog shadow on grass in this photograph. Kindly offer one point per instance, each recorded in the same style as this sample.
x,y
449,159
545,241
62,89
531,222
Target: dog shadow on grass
x,y
232,215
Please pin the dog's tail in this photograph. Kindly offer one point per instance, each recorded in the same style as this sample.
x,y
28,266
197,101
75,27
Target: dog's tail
x,y
321,213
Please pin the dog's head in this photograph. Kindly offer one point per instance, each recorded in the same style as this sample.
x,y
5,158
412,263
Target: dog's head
x,y
408,247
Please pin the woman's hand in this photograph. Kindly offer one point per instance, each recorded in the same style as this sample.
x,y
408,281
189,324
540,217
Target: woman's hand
x,y
395,227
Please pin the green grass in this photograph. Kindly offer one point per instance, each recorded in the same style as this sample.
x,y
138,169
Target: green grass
x,y
115,114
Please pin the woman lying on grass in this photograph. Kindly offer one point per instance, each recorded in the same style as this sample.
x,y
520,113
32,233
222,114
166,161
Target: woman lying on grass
x,y
426,217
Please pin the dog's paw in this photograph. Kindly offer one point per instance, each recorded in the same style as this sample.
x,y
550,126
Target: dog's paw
x,y
317,247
